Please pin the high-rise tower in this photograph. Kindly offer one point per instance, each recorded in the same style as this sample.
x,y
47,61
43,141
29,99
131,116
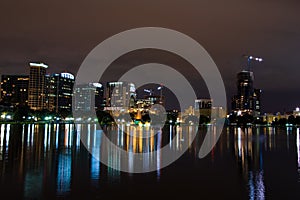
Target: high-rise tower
x,y
37,86
247,99
60,91
88,97
120,94
243,99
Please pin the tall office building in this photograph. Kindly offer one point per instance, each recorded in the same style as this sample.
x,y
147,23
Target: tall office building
x,y
37,86
14,90
59,92
83,99
120,95
245,90
247,99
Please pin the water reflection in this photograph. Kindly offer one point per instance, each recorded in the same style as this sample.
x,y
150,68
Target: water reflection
x,y
248,151
4,139
49,160
64,172
298,150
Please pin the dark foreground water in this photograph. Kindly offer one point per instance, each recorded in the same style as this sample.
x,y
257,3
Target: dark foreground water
x,y
46,161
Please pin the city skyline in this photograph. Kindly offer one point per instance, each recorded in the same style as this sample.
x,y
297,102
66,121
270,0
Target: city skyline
x,y
233,104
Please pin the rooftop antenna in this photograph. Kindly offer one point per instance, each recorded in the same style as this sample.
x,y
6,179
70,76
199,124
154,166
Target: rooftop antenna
x,y
252,58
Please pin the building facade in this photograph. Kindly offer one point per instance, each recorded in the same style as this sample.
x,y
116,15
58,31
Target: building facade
x,y
59,92
37,86
247,99
14,90
89,97
120,95
203,107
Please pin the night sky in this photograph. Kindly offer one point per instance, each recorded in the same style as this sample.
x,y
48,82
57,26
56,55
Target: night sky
x,y
61,34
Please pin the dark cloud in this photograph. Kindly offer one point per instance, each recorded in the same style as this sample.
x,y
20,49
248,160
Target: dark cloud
x,y
61,33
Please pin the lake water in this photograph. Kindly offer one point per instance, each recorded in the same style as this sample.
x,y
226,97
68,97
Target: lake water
x,y
46,161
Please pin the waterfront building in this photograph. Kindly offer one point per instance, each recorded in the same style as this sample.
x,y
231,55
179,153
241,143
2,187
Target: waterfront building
x,y
60,92
203,107
120,95
270,118
218,112
14,90
88,97
37,86
296,112
247,99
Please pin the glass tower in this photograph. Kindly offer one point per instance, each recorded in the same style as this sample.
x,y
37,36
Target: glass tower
x,y
37,86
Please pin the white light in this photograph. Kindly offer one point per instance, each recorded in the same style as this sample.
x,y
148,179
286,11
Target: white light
x,y
115,83
132,88
250,57
69,118
67,75
297,109
159,88
98,85
38,65
48,118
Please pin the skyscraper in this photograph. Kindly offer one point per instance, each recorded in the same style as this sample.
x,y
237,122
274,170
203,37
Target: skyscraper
x,y
59,92
83,98
14,90
37,86
247,99
120,94
245,90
